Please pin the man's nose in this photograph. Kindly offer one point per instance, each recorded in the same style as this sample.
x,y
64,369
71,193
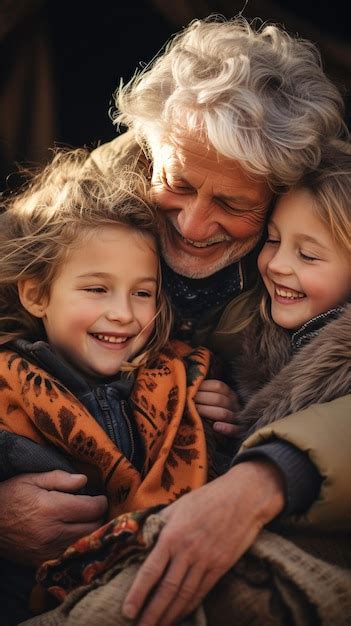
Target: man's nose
x,y
196,219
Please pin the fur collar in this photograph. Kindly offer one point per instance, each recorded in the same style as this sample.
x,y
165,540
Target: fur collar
x,y
281,384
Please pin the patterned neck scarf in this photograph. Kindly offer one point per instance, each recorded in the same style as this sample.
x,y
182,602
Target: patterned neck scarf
x,y
192,298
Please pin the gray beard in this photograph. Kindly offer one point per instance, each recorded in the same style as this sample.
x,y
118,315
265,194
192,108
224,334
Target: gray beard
x,y
181,264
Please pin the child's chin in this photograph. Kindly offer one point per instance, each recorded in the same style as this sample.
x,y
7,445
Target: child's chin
x,y
108,374
98,375
286,324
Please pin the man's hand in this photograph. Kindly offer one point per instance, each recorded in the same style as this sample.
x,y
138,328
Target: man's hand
x,y
40,516
218,402
205,533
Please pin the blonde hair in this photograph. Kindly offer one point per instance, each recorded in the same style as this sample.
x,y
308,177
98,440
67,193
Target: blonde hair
x,y
258,95
41,222
330,187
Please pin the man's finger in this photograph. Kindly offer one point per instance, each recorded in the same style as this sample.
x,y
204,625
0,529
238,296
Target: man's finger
x,y
215,400
57,480
215,413
52,546
229,402
77,509
216,386
166,594
188,597
145,580
207,583
229,430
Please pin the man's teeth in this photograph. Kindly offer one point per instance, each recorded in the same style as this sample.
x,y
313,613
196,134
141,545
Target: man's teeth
x,y
198,244
287,293
201,244
111,338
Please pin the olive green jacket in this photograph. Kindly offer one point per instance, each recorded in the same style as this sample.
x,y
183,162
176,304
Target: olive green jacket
x,y
323,431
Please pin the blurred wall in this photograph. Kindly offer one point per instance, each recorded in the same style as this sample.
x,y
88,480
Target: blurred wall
x,y
62,60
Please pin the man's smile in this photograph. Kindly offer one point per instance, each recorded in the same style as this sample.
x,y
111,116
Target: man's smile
x,y
209,242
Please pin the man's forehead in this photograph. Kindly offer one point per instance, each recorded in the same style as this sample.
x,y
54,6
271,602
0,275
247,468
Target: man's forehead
x,y
183,148
191,161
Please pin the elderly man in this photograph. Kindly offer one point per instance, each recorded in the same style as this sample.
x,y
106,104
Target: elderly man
x,y
221,121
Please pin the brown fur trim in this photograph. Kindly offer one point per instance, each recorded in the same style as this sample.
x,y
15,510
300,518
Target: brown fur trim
x,y
265,349
319,372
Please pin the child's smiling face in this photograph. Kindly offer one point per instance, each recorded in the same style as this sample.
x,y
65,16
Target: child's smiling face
x,y
102,303
304,270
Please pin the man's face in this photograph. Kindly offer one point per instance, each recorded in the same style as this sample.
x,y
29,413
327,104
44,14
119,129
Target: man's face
x,y
213,212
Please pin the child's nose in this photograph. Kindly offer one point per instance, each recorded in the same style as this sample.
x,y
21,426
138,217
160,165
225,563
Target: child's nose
x,y
280,264
120,311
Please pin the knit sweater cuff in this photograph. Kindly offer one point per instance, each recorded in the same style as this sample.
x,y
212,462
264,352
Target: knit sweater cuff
x,y
301,479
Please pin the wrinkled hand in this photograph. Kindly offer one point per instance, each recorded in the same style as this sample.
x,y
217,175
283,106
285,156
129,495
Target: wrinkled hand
x,y
218,402
40,516
205,533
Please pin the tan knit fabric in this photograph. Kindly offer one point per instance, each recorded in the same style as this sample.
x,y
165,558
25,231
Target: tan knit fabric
x,y
275,584
100,603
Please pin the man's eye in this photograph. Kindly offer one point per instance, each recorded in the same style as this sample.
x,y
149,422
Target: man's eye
x,y
256,215
175,186
231,209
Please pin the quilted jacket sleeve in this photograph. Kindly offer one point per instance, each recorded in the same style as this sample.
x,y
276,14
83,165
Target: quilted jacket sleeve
x,y
323,432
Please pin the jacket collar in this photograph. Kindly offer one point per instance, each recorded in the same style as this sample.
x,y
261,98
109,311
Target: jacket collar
x,y
311,329
41,353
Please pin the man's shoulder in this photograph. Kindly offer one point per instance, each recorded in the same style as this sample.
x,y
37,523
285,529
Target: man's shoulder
x,y
120,151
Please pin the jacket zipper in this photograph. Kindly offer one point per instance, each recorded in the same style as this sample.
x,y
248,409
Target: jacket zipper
x,y
106,414
130,430
106,410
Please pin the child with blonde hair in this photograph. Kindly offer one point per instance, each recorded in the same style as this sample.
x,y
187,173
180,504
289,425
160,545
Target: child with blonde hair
x,y
296,349
88,382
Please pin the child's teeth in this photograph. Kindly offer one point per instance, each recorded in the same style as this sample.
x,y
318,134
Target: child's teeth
x,y
111,338
286,293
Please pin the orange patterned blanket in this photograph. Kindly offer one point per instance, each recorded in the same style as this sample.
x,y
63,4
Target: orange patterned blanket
x,y
39,407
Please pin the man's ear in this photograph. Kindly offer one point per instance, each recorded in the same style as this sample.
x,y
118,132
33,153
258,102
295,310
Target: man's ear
x,y
28,293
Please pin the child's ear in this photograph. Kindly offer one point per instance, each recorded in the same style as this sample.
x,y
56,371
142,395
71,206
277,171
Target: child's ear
x,y
28,292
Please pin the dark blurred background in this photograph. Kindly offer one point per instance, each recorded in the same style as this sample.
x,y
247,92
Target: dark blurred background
x,y
62,60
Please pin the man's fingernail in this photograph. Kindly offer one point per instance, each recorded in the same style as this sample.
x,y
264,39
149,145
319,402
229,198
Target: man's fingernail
x,y
129,611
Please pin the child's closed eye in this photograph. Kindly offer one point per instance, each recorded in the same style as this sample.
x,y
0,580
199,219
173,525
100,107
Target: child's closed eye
x,y
308,256
95,289
272,241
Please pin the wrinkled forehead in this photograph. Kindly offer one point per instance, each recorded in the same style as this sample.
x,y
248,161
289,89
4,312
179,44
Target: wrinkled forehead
x,y
193,160
183,145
